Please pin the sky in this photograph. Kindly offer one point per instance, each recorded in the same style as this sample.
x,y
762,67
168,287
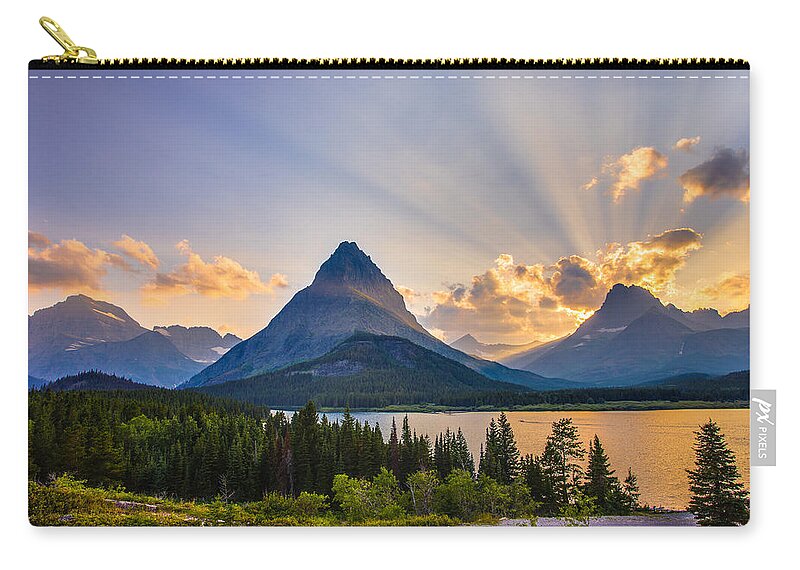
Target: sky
x,y
500,207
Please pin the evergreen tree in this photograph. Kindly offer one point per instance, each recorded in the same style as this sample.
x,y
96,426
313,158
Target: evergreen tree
x,y
540,487
394,450
406,451
718,497
601,484
488,465
500,459
348,450
305,437
462,456
560,461
507,452
630,492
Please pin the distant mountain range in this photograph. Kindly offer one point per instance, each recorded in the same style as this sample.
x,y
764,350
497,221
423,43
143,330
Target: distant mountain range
x,y
349,294
633,338
496,352
80,334
349,332
201,344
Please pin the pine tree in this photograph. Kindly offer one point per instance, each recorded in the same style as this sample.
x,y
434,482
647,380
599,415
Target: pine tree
x,y
348,451
488,465
407,465
540,486
305,438
718,497
630,492
560,461
394,450
600,481
462,456
507,452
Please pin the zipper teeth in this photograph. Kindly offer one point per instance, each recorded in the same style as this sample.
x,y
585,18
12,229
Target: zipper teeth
x,y
390,63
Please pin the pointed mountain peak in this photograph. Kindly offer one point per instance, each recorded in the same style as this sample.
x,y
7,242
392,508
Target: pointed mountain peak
x,y
623,305
349,266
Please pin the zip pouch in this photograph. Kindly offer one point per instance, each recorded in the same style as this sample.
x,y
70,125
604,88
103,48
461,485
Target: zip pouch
x,y
382,292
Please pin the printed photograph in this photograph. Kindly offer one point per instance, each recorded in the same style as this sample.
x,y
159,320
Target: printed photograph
x,y
388,298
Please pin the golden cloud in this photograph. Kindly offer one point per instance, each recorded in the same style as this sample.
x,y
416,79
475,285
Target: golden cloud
x,y
137,250
223,277
514,302
69,264
627,172
651,263
731,287
687,144
724,175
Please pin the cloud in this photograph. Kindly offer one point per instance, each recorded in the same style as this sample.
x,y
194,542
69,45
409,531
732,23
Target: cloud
x,y
734,288
37,240
514,302
650,263
724,175
687,144
577,283
627,172
137,250
591,184
223,277
69,264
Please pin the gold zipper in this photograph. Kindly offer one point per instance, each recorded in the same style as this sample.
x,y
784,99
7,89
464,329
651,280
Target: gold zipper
x,y
72,53
79,56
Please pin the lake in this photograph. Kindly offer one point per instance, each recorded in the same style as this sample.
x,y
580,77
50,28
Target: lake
x,y
657,444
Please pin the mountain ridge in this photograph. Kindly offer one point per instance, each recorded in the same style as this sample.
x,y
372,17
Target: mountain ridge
x,y
634,335
349,293
497,352
364,370
81,333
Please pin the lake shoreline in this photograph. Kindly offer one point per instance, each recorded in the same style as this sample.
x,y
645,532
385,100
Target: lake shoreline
x,y
668,518
616,406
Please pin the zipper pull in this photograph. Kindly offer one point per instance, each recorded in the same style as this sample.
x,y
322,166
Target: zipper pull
x,y
72,52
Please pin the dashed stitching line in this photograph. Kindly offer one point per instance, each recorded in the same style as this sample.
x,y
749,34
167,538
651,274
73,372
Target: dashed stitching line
x,y
390,77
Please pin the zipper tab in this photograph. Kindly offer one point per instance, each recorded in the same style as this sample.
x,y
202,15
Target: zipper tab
x,y
72,53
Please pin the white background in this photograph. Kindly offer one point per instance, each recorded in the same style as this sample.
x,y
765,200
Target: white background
x,y
759,32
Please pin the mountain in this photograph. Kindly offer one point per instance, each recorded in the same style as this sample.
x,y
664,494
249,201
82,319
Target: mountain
x,y
150,358
76,322
366,370
523,359
737,319
497,352
71,325
710,319
634,337
201,344
94,381
81,333
349,294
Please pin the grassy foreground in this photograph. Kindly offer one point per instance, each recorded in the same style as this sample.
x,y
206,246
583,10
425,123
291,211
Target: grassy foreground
x,y
67,502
